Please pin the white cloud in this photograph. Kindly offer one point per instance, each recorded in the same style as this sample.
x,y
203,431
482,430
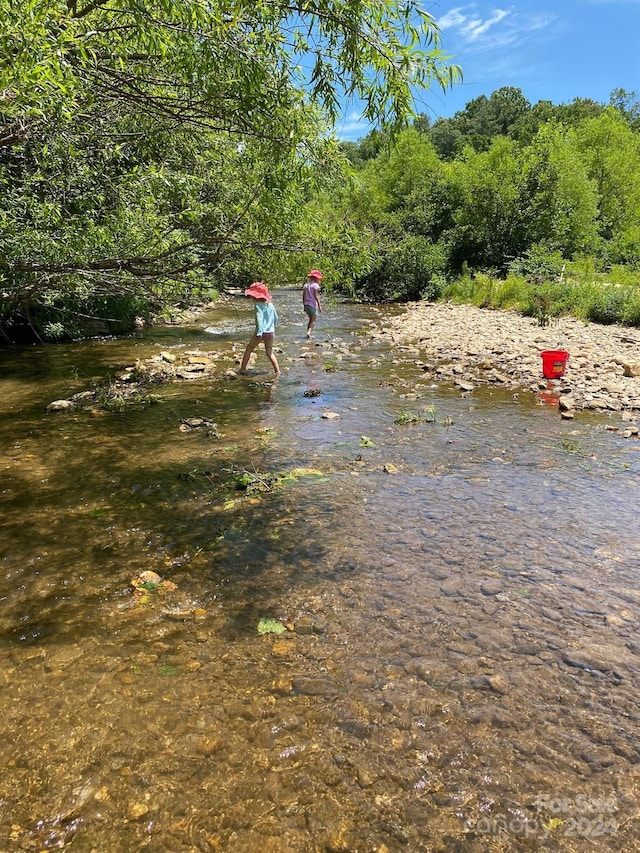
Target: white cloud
x,y
454,18
470,25
494,29
476,27
353,126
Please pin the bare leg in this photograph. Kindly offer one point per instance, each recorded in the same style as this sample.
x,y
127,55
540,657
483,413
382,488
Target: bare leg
x,y
268,348
253,343
310,324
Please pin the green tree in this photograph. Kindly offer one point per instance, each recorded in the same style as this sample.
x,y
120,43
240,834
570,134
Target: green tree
x,y
398,203
488,226
578,110
628,105
513,199
448,137
481,121
526,126
611,152
523,205
143,142
232,65
559,200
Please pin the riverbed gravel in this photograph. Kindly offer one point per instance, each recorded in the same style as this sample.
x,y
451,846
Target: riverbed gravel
x,y
470,346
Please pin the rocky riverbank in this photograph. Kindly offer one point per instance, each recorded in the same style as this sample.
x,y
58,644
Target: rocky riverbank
x,y
469,345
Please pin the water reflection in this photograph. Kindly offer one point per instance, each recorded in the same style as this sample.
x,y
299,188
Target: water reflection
x,y
462,673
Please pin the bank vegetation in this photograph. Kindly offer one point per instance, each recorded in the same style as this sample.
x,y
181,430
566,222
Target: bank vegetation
x,y
154,153
505,205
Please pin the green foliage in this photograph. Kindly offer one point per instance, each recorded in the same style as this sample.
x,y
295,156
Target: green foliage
x,y
411,269
628,105
611,303
545,301
607,306
559,200
543,296
478,290
631,309
248,481
399,202
480,123
427,415
508,113
484,291
170,154
119,397
270,626
405,418
515,212
624,275
610,150
581,291
538,264
231,65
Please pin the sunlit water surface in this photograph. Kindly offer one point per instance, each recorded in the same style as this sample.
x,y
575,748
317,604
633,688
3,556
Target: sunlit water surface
x,y
460,668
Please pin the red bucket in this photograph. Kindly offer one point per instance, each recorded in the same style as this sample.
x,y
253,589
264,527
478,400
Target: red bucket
x,y
554,363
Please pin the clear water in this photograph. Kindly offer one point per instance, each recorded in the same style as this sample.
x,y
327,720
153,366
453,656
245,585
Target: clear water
x,y
461,666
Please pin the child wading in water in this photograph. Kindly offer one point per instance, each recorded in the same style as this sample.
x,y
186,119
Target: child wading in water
x,y
311,298
266,319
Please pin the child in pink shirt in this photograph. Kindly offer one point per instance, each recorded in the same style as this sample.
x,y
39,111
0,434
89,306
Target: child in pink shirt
x,y
311,298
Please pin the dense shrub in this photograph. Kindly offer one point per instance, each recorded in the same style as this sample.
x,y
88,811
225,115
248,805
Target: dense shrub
x,y
631,312
412,269
509,293
546,301
487,291
538,264
608,305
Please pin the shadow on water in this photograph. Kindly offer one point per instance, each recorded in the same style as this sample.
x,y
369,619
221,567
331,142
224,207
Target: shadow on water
x,y
460,665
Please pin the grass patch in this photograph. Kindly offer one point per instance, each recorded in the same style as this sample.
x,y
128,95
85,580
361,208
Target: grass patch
x,y
580,289
426,415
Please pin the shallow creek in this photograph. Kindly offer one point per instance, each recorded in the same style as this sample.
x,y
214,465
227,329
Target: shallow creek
x,y
459,582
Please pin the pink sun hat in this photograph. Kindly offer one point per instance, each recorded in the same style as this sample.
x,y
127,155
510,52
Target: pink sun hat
x,y
315,274
258,290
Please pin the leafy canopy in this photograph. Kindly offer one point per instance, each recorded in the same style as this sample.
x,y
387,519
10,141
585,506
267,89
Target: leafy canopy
x,y
146,143
236,65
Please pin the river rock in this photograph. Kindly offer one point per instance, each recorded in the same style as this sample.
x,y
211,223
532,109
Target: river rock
x,y
497,683
315,686
61,406
566,403
491,586
598,656
451,586
502,347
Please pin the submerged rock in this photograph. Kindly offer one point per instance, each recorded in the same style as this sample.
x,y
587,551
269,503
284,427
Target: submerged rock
x,y
61,406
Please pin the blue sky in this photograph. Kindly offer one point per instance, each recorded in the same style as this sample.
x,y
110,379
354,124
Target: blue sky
x,y
554,50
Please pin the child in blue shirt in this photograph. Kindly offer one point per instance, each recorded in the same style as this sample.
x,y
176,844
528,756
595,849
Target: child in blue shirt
x,y
266,319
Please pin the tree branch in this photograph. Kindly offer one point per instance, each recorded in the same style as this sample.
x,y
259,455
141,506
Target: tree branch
x,y
90,7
